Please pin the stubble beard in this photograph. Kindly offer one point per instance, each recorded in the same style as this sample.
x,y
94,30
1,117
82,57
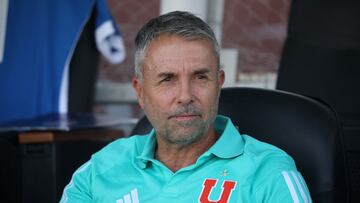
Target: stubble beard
x,y
188,132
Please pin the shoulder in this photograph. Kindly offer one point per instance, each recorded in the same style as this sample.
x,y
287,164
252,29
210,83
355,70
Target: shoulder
x,y
284,186
265,161
120,151
268,156
275,178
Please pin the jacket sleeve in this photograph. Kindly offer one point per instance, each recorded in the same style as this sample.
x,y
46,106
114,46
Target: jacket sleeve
x,y
78,190
285,187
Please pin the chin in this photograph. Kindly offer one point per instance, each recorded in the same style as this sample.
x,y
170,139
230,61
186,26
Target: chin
x,y
185,138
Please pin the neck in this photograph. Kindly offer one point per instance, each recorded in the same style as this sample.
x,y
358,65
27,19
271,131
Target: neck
x,y
176,156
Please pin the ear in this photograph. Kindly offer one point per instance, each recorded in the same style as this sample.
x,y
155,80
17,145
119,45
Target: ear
x,y
221,78
138,87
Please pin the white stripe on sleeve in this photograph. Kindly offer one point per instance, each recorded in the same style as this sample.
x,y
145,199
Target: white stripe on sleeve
x,y
302,181
302,193
290,186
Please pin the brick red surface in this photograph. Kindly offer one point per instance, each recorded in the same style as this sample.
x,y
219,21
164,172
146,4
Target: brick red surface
x,y
130,16
256,28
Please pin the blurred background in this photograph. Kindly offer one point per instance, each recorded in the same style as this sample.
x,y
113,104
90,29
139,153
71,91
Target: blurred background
x,y
66,85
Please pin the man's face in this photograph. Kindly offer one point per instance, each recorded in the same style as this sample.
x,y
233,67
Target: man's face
x,y
180,88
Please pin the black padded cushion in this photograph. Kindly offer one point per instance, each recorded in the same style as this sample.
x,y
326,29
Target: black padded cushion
x,y
305,128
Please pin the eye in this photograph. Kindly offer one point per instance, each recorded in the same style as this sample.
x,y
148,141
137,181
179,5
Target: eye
x,y
201,76
166,79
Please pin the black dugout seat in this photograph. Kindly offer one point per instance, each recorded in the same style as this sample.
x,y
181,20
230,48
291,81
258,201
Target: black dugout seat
x,y
320,59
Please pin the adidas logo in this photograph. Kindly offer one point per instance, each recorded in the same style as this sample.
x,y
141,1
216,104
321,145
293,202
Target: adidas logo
x,y
131,197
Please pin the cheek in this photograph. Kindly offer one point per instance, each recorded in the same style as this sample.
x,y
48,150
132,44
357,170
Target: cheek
x,y
206,93
168,93
207,101
160,99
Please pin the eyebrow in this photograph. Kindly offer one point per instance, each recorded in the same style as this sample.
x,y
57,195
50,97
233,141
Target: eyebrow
x,y
202,71
165,74
196,72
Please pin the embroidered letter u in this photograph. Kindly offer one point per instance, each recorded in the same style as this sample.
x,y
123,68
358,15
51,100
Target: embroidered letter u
x,y
208,184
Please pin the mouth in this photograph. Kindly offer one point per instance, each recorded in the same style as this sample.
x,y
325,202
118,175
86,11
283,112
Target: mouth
x,y
184,117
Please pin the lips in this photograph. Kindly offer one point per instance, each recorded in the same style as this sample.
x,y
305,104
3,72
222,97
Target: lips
x,y
185,113
185,117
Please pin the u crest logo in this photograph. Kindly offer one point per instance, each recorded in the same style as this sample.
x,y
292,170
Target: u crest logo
x,y
227,187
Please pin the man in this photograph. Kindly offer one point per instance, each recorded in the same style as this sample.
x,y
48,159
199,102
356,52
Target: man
x,y
192,155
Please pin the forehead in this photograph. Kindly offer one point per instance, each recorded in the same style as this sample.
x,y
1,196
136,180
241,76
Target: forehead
x,y
174,53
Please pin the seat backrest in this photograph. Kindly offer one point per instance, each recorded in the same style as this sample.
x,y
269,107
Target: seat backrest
x,y
306,129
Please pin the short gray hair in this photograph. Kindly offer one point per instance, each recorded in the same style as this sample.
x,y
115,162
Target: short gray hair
x,y
178,23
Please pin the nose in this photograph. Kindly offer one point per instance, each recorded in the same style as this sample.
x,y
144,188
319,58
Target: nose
x,y
185,94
